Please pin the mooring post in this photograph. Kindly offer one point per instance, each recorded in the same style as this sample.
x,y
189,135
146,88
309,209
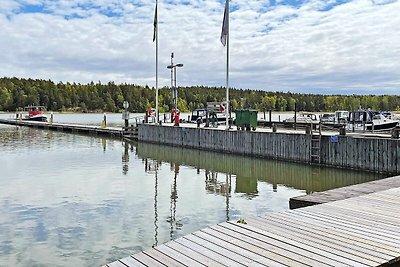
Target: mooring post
x,y
395,133
104,122
270,118
295,114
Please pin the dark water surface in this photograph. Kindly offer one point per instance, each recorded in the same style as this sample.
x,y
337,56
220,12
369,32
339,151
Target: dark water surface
x,y
76,200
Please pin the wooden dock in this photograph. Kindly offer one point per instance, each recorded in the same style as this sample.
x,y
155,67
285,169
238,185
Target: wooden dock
x,y
344,192
360,231
378,153
130,132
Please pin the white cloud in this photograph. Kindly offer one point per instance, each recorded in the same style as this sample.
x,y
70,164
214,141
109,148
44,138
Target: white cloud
x,y
352,45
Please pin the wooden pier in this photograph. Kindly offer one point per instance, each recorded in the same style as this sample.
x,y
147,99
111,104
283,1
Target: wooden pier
x,y
344,192
376,153
130,132
360,231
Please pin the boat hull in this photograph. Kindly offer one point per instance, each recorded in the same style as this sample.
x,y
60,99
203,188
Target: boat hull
x,y
36,118
383,126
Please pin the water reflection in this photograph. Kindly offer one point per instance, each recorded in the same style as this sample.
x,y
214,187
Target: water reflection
x,y
92,200
155,208
249,171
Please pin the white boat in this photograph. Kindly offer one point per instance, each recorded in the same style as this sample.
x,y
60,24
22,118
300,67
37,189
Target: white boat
x,y
304,117
341,116
328,118
371,121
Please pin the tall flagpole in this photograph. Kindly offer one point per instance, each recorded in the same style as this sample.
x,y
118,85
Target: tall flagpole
x,y
227,68
156,33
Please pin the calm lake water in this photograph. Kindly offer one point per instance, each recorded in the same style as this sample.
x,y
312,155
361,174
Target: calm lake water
x,y
80,200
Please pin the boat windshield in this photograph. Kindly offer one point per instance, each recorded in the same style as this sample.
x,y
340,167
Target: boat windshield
x,y
199,112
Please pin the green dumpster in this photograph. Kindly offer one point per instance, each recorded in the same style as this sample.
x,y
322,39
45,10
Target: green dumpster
x,y
246,119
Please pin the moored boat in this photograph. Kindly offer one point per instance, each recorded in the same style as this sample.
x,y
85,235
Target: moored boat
x,y
371,121
304,117
35,113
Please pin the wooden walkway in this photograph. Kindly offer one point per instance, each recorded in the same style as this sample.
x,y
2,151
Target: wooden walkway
x,y
360,231
68,127
344,192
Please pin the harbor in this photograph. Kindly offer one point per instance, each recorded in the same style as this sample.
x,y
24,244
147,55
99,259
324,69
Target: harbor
x,y
376,152
282,238
179,133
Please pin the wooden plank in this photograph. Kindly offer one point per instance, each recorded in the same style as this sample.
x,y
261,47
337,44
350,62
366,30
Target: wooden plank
x,y
250,251
207,261
269,243
207,252
345,213
313,240
179,259
147,260
359,243
298,243
226,251
116,264
345,192
329,239
354,229
131,262
348,217
376,211
270,248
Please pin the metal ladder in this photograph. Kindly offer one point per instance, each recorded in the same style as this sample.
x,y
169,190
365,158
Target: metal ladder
x,y
316,145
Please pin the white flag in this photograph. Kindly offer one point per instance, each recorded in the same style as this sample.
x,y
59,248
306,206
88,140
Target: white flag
x,y
225,24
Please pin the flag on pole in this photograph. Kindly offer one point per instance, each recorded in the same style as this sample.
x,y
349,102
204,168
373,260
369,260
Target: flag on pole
x,y
155,24
225,24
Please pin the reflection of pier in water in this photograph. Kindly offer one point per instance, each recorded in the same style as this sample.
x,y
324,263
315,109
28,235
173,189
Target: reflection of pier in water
x,y
250,170
223,188
219,169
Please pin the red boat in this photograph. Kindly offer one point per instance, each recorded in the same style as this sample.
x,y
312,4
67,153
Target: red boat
x,y
35,113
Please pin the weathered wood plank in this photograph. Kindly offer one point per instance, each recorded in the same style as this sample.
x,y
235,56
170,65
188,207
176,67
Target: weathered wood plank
x,y
207,252
116,264
338,236
298,243
313,240
174,258
226,251
270,248
387,247
207,261
344,192
351,151
147,260
247,250
354,228
131,262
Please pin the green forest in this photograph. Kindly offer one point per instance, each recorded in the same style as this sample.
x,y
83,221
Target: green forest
x,y
16,93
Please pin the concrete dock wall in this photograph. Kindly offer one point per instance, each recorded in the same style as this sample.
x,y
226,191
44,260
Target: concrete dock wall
x,y
373,154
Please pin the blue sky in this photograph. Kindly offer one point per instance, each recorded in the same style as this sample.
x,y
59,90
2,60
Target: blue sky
x,y
280,45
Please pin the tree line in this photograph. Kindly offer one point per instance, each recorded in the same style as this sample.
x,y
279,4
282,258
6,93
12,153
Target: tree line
x,y
16,93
